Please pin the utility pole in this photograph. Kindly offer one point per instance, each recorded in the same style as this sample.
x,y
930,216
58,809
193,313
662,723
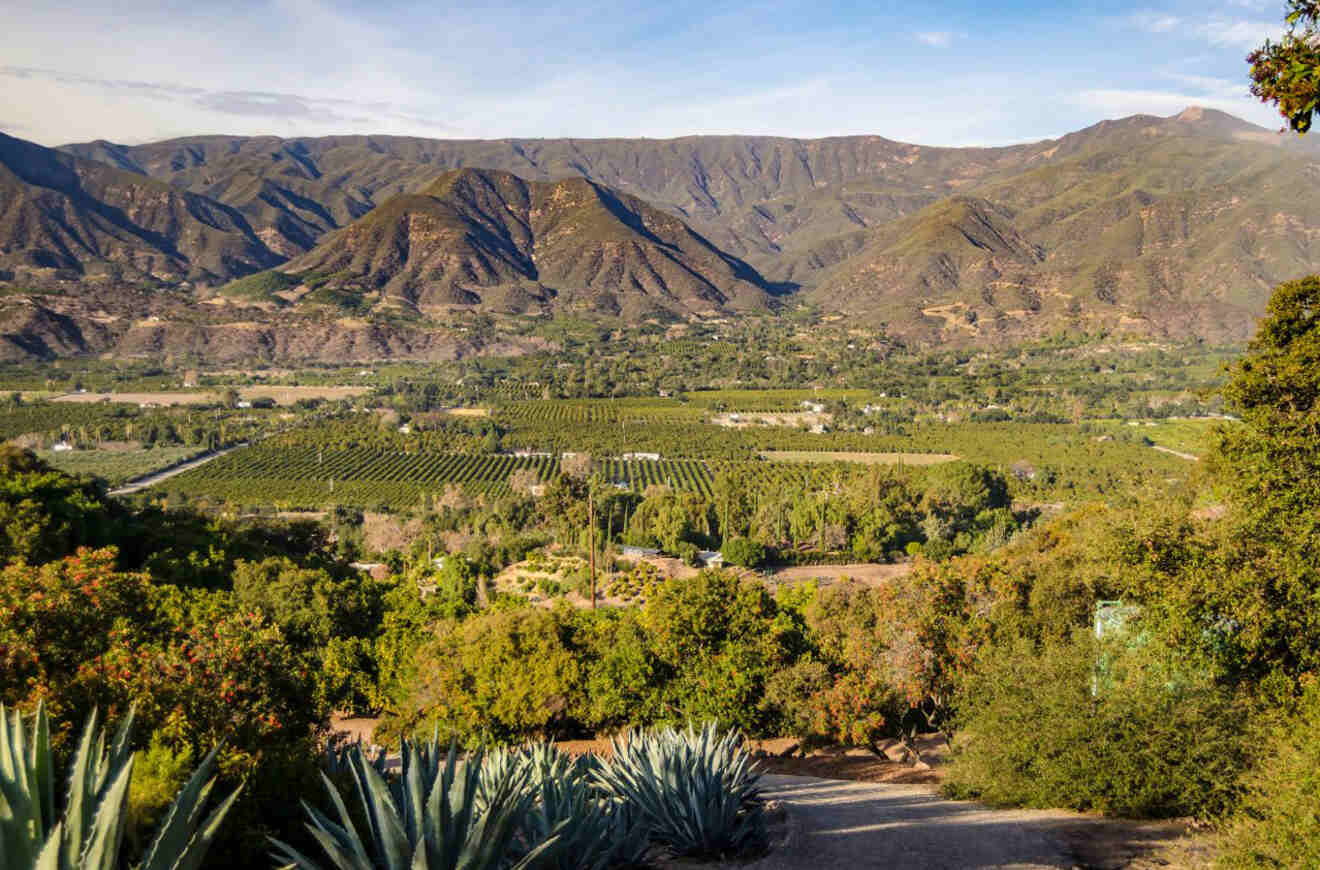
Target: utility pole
x,y
591,542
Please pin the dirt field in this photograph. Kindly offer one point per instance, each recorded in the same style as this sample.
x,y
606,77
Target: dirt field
x,y
281,395
858,456
138,398
468,412
868,573
737,420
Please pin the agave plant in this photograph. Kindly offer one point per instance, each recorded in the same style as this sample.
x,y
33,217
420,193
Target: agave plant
x,y
595,832
87,834
428,818
697,790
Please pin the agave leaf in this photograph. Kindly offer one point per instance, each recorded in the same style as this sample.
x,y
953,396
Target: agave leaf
x,y
20,822
192,856
339,855
346,839
393,850
107,825
296,859
413,800
180,820
181,844
52,856
345,832
120,750
78,805
42,767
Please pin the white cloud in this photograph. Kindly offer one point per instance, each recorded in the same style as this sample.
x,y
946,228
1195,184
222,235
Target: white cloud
x,y
121,70
1120,102
1217,29
1243,33
936,38
1156,22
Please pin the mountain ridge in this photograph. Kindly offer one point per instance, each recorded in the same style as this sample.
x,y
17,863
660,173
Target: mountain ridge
x,y
1169,227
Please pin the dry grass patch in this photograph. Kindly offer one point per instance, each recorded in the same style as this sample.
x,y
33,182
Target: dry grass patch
x,y
289,395
281,395
384,532
175,398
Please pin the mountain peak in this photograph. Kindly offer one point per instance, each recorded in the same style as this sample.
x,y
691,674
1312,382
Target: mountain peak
x,y
1216,120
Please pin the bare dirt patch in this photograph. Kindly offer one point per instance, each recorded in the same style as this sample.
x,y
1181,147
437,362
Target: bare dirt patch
x,y
190,398
281,395
740,420
864,457
868,573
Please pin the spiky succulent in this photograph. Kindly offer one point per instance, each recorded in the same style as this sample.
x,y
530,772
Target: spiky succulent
x,y
596,832
428,818
87,832
696,790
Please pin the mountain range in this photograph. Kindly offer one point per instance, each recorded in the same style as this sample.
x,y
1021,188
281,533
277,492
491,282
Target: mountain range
x,y
364,246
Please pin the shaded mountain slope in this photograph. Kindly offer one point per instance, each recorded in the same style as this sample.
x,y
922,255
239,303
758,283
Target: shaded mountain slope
x,y
486,237
61,215
713,182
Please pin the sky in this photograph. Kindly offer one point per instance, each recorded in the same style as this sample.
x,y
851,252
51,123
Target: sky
x,y
934,73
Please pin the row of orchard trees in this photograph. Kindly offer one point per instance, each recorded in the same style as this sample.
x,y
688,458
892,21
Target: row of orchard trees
x,y
866,513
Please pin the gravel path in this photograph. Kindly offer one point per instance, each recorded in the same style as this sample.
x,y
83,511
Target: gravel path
x,y
832,823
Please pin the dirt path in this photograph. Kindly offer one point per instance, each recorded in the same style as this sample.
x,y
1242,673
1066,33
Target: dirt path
x,y
858,824
898,826
1191,457
156,477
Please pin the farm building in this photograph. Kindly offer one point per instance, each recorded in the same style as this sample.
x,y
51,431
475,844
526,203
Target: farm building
x,y
376,570
637,552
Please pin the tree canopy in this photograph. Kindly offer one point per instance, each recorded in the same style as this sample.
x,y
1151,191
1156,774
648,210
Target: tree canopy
x,y
1287,73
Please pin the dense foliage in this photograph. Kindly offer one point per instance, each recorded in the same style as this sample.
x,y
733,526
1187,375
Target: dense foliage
x,y
224,626
1287,73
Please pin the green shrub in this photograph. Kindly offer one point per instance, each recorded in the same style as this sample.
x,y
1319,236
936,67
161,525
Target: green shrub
x,y
744,552
159,771
260,287
500,676
1152,742
1278,825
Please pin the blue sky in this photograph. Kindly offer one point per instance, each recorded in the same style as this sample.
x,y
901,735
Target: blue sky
x,y
935,73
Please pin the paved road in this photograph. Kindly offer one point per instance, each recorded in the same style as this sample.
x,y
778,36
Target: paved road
x,y
906,827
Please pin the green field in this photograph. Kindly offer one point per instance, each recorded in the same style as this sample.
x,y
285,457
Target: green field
x,y
306,477
117,466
